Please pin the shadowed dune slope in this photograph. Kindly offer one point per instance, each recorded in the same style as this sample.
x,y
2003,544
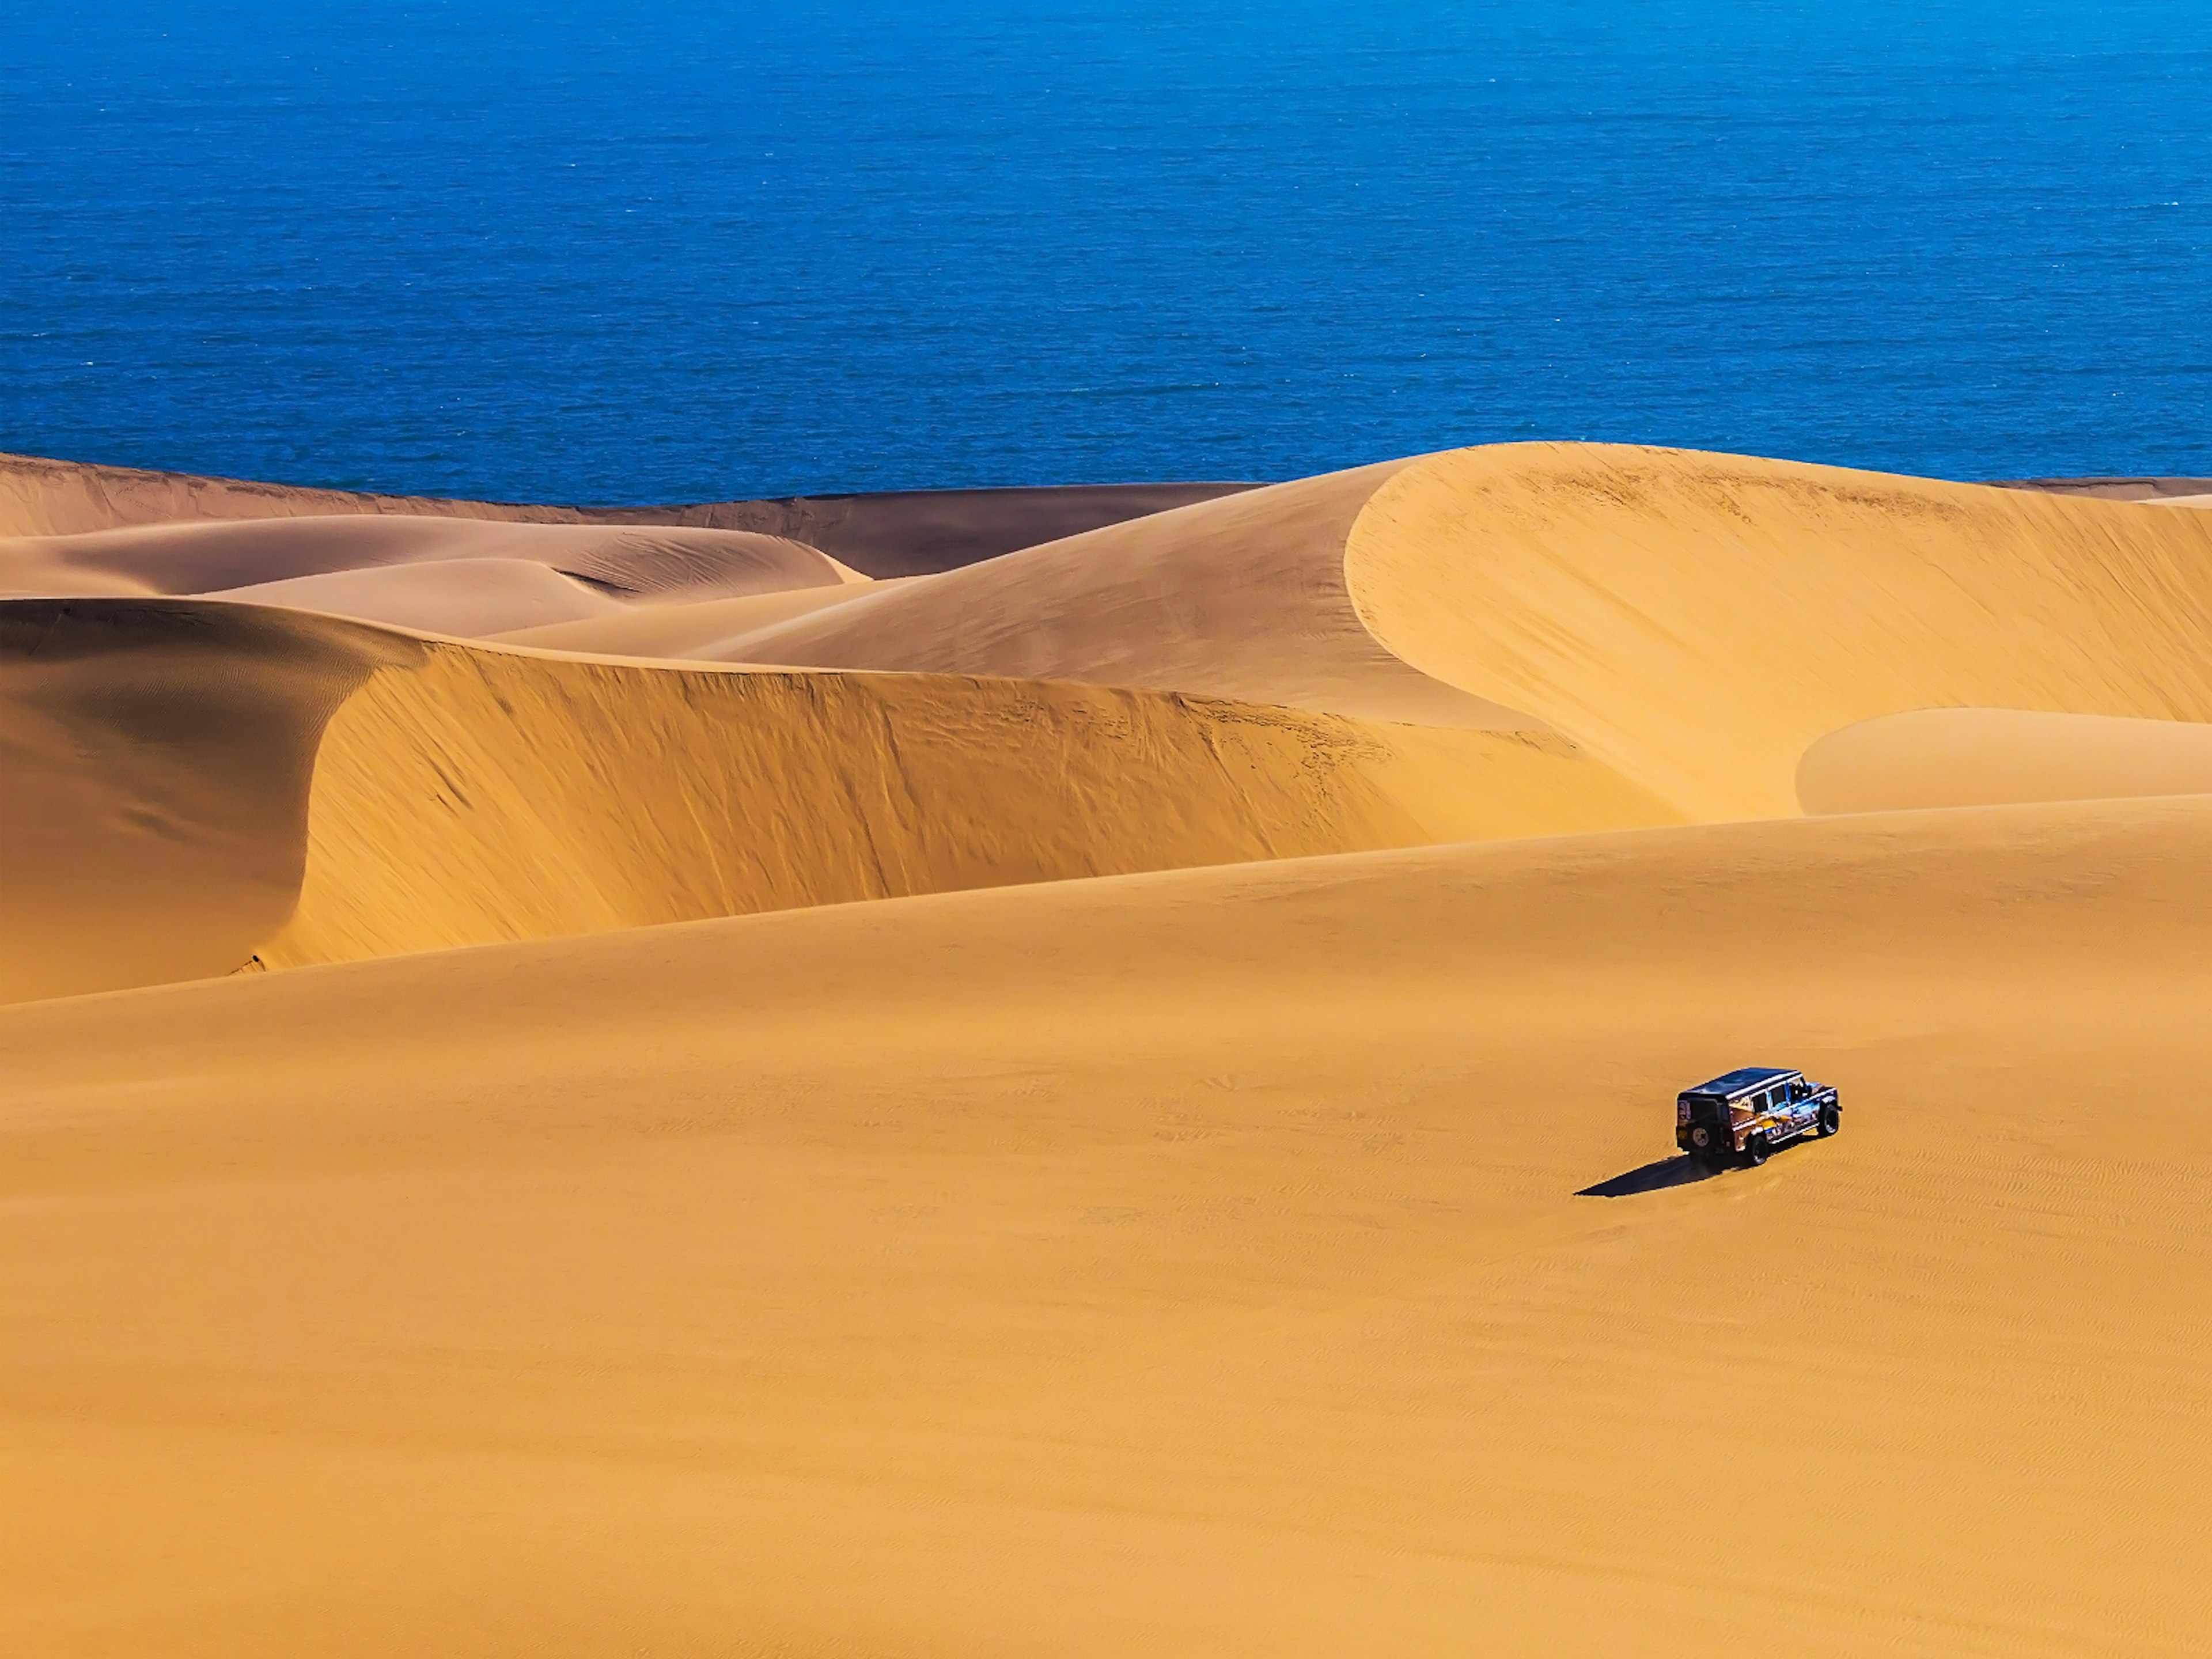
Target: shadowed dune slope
x,y
447,794
1979,756
1180,1264
1699,621
888,533
1241,597
155,759
212,557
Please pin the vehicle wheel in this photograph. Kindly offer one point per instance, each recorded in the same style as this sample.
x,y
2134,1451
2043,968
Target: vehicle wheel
x,y
1754,1149
1831,1119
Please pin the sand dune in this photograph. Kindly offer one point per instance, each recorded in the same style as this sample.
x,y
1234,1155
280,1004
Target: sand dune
x,y
465,597
1186,1164
395,793
888,533
1698,621
157,760
1982,757
1239,598
1175,1264
212,557
710,631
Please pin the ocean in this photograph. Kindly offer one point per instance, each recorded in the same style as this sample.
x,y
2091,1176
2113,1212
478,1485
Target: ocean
x,y
666,251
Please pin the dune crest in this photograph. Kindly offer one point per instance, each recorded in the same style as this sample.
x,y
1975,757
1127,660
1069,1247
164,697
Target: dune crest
x,y
1241,597
1698,621
423,794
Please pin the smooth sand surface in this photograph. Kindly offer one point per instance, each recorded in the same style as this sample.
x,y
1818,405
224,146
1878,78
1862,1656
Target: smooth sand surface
x,y
698,630
207,556
1177,1264
1698,621
1243,597
1149,1128
1984,757
463,596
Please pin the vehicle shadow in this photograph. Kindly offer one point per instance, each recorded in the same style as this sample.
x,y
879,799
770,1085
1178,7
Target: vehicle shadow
x,y
1677,1172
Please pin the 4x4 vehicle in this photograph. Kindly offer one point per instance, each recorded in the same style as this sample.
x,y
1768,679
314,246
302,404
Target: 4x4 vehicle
x,y
1749,1112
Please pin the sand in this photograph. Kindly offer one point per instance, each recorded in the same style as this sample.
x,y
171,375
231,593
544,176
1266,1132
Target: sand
x,y
1178,1263
888,533
1986,757
215,555
1148,1127
389,793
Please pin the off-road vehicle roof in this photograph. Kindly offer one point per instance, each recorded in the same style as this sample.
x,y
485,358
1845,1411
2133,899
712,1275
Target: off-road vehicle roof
x,y
1742,1081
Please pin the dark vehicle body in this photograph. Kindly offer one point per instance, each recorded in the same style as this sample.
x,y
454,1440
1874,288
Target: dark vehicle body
x,y
1746,1113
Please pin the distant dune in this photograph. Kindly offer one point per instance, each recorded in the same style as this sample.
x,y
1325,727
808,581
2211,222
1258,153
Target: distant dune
x,y
889,534
211,555
1149,1127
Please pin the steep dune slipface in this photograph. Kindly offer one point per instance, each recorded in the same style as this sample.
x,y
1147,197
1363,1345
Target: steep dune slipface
x,y
1240,598
1179,1265
218,779
210,556
476,795
1983,756
156,757
1698,621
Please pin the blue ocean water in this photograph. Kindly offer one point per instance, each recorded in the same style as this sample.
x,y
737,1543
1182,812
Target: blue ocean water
x,y
674,250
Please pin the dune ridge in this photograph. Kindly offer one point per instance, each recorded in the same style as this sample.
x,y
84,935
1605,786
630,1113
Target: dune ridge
x,y
1698,621
449,794
1243,597
1495,642
478,796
